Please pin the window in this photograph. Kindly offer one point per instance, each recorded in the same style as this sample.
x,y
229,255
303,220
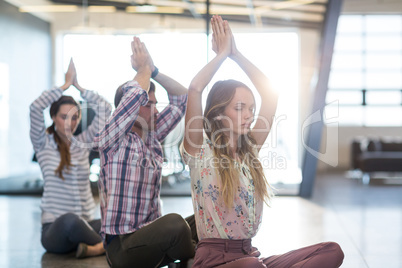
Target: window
x,y
102,63
366,71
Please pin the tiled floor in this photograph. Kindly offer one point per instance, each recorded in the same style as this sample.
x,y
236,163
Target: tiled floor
x,y
366,220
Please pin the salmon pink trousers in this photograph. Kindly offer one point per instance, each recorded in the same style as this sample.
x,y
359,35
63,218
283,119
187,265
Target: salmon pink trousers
x,y
225,253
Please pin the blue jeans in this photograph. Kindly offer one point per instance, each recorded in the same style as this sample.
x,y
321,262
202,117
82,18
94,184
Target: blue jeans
x,y
66,232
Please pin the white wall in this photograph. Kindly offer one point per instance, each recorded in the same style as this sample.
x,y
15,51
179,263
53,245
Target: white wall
x,y
25,66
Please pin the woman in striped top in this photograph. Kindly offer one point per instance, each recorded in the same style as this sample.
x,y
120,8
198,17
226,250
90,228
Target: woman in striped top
x,y
67,202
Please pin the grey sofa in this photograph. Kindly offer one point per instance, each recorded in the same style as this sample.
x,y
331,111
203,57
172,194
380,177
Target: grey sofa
x,y
370,155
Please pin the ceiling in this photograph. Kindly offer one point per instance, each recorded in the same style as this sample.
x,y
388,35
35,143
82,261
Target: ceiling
x,y
287,13
257,13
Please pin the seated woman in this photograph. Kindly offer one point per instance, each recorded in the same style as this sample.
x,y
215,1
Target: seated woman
x,y
228,183
67,202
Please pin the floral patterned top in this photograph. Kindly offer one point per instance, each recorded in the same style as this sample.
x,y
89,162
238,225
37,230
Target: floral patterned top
x,y
213,218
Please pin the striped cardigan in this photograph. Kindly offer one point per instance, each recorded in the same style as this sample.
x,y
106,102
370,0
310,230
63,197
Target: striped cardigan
x,y
73,194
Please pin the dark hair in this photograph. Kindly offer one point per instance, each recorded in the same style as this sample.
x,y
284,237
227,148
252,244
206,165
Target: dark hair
x,y
65,157
119,93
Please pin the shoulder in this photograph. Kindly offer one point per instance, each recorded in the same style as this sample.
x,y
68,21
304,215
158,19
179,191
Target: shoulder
x,y
204,154
206,150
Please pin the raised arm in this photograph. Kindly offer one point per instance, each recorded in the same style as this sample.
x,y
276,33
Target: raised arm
x,y
70,76
269,98
134,95
141,61
38,128
99,105
221,45
75,79
173,113
170,85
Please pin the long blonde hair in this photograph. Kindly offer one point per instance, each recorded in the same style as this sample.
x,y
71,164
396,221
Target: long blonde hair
x,y
219,97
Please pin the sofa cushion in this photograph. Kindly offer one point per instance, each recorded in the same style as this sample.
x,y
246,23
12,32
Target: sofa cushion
x,y
381,161
374,145
391,146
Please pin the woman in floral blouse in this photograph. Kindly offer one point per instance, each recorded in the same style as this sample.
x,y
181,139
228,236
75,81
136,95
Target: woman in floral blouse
x,y
228,183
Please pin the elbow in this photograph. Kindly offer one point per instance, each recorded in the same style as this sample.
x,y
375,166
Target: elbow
x,y
104,109
108,108
33,107
195,88
97,143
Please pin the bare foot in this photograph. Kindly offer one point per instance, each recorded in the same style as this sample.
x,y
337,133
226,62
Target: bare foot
x,y
84,250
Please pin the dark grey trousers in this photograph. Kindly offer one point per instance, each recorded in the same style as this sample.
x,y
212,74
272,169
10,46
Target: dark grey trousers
x,y
66,232
165,240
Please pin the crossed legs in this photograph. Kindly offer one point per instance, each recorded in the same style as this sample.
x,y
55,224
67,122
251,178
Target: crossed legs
x,y
166,239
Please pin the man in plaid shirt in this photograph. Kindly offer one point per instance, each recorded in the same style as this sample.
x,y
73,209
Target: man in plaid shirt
x,y
134,231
